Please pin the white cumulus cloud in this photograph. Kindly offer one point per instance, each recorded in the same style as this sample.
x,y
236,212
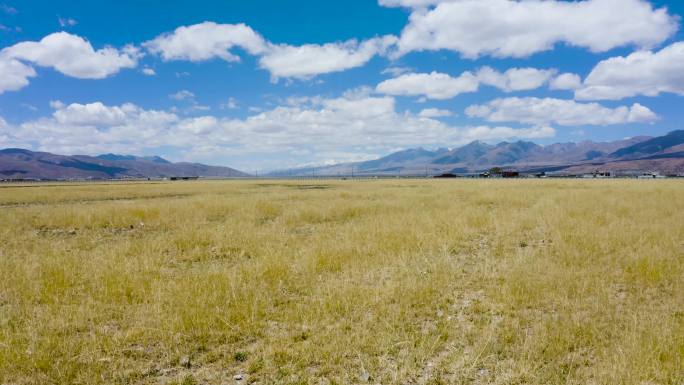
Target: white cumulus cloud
x,y
14,74
641,73
308,60
208,40
566,81
434,113
93,114
442,86
515,79
434,85
558,111
354,124
93,128
205,41
73,56
510,28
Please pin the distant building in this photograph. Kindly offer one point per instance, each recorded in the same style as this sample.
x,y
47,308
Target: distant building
x,y
652,175
510,174
599,174
499,173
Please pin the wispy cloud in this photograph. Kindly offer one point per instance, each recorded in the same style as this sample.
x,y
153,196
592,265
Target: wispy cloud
x,y
65,22
230,104
8,9
182,95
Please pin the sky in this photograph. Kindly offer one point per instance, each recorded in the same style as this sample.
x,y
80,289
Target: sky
x,y
270,84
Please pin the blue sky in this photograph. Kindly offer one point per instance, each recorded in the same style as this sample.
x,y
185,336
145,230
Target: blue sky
x,y
271,84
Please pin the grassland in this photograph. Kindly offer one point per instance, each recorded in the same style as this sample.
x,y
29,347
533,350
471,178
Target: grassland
x,y
343,282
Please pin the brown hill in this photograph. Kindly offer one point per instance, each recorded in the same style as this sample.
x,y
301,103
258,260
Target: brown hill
x,y
18,163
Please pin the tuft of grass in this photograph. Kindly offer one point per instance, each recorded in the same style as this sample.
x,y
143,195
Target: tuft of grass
x,y
379,281
240,356
189,379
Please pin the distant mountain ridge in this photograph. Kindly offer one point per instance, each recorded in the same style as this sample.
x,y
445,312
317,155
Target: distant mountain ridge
x,y
467,153
17,163
116,157
651,147
401,157
642,153
664,154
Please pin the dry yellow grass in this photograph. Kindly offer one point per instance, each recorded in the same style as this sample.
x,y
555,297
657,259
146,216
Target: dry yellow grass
x,y
343,282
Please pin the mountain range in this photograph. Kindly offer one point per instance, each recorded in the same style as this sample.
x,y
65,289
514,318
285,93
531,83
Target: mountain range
x,y
664,154
16,163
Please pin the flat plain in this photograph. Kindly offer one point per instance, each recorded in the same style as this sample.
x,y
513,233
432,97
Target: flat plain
x,y
343,282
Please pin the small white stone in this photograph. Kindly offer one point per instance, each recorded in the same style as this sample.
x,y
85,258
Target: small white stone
x,y
185,362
